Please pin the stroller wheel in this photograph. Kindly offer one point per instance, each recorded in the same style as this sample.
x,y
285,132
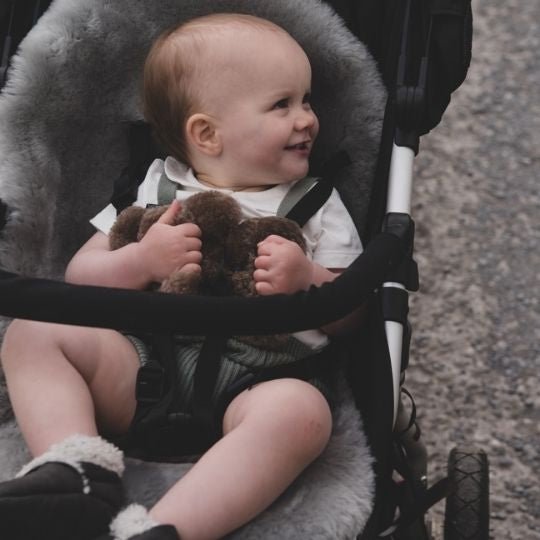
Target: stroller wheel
x,y
467,506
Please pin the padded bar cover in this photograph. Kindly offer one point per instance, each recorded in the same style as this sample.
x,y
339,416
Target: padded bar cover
x,y
143,311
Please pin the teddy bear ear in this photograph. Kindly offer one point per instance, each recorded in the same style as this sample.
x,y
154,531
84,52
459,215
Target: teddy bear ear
x,y
125,228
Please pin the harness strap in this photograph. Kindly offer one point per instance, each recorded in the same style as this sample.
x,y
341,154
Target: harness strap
x,y
205,378
295,195
154,392
310,202
142,151
167,189
301,202
159,434
298,204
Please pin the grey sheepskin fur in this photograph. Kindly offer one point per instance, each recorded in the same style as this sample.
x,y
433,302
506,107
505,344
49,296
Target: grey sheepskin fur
x,y
73,87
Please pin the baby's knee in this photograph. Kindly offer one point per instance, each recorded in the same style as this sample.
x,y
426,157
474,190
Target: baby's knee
x,y
306,419
15,332
20,335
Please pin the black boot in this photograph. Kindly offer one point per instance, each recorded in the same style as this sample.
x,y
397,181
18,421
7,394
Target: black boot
x,y
58,502
161,532
70,492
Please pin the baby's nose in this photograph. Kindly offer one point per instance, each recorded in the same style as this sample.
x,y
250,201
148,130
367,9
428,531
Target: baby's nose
x,y
305,119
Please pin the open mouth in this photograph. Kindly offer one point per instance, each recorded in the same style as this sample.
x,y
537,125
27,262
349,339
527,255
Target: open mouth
x,y
300,146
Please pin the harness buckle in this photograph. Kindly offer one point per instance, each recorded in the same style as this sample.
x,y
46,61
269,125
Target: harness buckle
x,y
150,384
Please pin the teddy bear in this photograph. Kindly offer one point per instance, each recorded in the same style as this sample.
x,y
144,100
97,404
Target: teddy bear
x,y
229,247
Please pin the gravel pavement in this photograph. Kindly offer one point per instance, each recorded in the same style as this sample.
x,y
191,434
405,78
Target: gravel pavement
x,y
476,346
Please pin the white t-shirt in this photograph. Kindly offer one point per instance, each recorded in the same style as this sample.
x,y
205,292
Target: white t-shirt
x,y
331,237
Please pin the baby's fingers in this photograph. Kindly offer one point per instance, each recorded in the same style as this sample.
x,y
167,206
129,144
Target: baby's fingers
x,y
261,275
193,243
194,256
189,230
263,261
170,214
191,268
264,288
275,239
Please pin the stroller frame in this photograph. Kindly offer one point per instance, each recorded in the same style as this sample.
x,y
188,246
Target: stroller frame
x,y
407,114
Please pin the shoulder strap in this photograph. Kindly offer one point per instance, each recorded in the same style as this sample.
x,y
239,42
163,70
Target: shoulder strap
x,y
166,191
310,194
142,151
295,194
304,199
300,204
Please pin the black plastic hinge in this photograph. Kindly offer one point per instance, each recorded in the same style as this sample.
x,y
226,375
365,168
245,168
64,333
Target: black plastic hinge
x,y
402,226
410,109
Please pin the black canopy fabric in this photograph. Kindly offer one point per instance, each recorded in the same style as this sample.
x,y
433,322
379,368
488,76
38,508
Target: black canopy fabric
x,y
440,30
405,38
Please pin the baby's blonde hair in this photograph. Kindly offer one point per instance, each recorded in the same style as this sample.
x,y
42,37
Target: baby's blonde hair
x,y
176,68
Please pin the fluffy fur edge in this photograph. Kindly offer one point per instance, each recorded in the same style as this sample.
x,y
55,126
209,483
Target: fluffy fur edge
x,y
132,520
78,449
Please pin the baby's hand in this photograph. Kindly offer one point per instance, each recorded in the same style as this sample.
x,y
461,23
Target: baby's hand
x,y
281,267
167,247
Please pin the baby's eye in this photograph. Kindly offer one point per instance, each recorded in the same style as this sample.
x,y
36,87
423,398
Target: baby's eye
x,y
306,102
281,104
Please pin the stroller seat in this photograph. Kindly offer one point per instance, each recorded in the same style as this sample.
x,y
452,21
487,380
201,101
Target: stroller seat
x,y
72,93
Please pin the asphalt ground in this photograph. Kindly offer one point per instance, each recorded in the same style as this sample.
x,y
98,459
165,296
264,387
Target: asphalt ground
x,y
476,342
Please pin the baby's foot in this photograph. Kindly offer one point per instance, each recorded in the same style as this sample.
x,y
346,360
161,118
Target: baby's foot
x,y
56,497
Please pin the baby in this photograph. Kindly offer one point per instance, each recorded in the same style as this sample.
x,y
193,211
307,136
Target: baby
x,y
228,96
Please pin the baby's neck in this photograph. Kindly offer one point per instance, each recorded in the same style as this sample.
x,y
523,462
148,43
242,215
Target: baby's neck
x,y
211,182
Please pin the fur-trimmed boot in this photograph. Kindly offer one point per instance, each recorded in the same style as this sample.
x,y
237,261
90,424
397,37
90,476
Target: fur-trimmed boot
x,y
71,492
134,523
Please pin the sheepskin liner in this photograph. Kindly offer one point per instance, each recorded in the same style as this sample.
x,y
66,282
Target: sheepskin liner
x,y
72,90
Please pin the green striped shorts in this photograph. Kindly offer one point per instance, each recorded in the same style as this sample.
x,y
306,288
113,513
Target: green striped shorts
x,y
238,359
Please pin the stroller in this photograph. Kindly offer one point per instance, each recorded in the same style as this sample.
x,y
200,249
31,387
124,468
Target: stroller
x,y
71,100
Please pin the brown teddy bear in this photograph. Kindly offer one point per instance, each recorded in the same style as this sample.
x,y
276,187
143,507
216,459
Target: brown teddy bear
x,y
229,246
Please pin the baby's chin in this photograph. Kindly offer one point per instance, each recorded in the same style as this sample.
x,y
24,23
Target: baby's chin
x,y
297,174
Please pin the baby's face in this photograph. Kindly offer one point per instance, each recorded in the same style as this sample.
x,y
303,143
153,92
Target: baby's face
x,y
263,111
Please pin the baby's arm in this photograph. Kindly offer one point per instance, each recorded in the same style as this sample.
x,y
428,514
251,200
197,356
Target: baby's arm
x,y
282,267
164,248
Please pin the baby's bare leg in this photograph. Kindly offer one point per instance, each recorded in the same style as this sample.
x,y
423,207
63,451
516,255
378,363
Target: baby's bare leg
x,y
64,379
271,433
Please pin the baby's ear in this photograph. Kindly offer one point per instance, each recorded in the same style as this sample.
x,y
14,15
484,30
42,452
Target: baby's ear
x,y
201,134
